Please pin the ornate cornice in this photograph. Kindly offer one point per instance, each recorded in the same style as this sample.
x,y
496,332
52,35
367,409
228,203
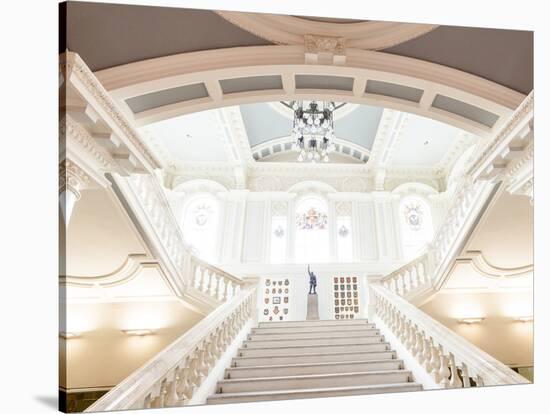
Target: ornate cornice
x,y
521,115
72,178
290,30
72,65
72,130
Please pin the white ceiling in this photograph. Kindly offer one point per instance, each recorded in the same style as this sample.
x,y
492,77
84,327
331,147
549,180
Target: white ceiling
x,y
416,142
423,142
194,137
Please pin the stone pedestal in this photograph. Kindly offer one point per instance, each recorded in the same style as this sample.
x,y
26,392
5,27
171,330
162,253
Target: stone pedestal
x,y
312,308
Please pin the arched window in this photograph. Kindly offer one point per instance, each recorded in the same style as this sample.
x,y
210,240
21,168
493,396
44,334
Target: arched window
x,y
416,225
312,233
200,226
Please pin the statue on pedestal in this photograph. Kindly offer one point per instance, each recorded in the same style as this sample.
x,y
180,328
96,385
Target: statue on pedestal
x,y
312,281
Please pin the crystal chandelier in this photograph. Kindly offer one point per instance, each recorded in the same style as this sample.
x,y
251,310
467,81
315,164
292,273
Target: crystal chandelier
x,y
313,130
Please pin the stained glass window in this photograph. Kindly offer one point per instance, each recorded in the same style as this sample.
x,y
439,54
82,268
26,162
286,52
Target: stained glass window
x,y
312,235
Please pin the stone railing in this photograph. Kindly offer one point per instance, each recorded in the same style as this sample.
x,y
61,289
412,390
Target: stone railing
x,y
212,281
450,360
173,376
150,207
426,273
410,276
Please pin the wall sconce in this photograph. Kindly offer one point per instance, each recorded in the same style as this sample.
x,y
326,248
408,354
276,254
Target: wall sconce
x,y
471,321
70,335
524,318
138,332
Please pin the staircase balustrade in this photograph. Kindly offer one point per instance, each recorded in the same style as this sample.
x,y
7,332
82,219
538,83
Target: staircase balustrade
x,y
427,270
449,359
212,281
172,377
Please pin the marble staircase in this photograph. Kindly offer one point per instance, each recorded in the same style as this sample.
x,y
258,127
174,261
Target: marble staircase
x,y
312,358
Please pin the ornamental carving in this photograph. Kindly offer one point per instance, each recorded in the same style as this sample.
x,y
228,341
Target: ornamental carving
x,y
343,208
72,65
279,208
72,178
354,185
266,183
312,219
324,44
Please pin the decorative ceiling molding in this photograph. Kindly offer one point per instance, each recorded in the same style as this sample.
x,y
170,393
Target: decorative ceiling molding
x,y
131,267
520,176
84,98
286,62
509,143
476,259
415,188
283,145
291,30
198,186
72,178
462,142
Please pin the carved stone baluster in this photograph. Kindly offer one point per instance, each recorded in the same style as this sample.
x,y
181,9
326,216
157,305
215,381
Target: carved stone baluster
x,y
203,277
147,402
479,381
217,290
443,369
202,362
419,349
414,276
465,376
403,280
225,289
172,398
401,331
435,362
455,379
163,393
427,354
409,336
185,385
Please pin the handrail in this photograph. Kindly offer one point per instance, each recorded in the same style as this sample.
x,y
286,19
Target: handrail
x,y
212,281
171,377
441,352
219,271
428,270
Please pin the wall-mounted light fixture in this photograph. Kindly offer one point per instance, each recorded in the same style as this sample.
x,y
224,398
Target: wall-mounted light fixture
x,y
70,335
471,321
138,332
524,318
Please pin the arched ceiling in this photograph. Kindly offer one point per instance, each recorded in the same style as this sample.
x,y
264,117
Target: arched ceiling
x,y
502,56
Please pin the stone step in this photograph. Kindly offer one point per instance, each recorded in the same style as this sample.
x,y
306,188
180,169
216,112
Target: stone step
x,y
312,358
313,381
321,349
322,322
278,343
310,369
259,335
320,328
311,393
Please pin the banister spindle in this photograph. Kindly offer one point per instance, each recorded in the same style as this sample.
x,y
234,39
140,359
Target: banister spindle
x,y
455,380
217,291
465,376
443,369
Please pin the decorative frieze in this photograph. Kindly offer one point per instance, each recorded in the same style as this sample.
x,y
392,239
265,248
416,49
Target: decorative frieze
x,y
317,47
